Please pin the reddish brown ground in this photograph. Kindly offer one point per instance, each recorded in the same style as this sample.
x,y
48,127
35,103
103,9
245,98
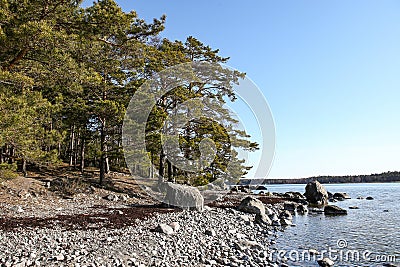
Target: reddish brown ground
x,y
33,195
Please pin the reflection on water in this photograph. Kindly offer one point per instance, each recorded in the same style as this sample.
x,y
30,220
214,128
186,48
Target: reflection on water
x,y
370,231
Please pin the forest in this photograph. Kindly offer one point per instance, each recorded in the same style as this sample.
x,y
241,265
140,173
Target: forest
x,y
385,177
67,75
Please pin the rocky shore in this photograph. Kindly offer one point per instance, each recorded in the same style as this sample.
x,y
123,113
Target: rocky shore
x,y
99,227
212,237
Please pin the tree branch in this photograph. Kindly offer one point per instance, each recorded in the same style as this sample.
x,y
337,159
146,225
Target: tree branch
x,y
17,58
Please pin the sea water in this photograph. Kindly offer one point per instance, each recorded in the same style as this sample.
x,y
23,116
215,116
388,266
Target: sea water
x,y
367,236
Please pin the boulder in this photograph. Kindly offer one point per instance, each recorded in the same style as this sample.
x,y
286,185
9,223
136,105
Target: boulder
x,y
243,189
316,194
295,195
369,198
354,207
269,211
164,228
285,222
341,196
252,205
263,219
262,187
273,217
184,196
276,223
285,215
175,226
334,210
112,197
313,251
289,206
302,209
325,262
210,232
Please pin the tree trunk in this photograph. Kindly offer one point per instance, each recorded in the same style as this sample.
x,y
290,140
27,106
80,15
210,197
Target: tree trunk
x,y
174,172
103,149
11,155
82,154
76,150
2,155
161,168
72,146
169,168
24,166
107,163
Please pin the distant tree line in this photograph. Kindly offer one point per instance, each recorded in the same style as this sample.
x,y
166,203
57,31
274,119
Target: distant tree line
x,y
385,177
67,75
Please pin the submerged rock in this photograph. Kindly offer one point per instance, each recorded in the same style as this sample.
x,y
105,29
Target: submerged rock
x,y
341,196
313,251
325,262
334,210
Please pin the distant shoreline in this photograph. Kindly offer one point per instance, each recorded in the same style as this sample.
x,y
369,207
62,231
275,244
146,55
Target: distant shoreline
x,y
386,177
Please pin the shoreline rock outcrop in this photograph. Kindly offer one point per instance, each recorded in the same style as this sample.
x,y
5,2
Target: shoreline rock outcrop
x,y
316,194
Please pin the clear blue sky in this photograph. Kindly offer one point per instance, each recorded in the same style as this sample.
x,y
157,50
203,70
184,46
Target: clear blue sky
x,y
330,71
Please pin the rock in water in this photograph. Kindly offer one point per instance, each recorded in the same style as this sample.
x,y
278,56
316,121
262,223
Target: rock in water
x,y
285,215
184,196
334,210
326,262
252,205
289,206
341,196
316,194
302,209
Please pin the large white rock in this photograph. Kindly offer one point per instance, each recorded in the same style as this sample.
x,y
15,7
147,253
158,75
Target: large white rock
x,y
184,196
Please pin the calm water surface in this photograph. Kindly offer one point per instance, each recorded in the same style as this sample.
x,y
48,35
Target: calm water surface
x,y
367,236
